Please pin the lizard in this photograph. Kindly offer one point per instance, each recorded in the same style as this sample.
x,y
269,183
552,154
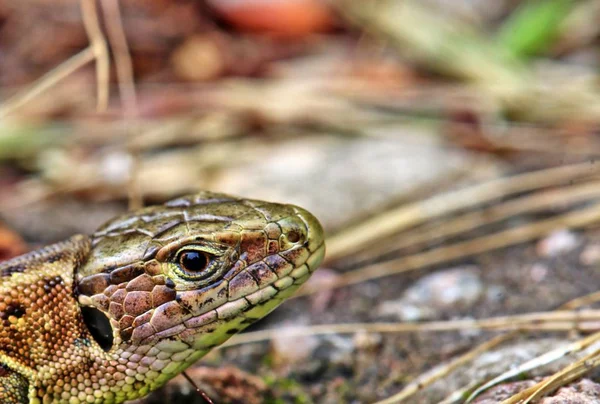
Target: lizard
x,y
112,316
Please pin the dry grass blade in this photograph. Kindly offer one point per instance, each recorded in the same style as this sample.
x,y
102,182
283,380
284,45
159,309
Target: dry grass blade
x,y
100,49
575,219
559,379
556,321
442,371
120,49
537,362
581,301
531,139
456,49
391,222
97,50
47,81
577,346
127,91
473,220
458,396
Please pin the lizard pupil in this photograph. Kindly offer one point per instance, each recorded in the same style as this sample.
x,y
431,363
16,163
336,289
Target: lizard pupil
x,y
193,261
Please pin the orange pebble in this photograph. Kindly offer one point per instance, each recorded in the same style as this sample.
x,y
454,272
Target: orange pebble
x,y
288,19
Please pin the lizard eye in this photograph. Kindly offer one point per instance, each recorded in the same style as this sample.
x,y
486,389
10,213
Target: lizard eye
x,y
196,263
193,261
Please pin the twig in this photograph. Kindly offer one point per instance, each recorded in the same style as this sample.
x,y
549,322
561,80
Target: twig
x,y
560,378
451,47
120,50
556,321
97,50
473,220
100,49
47,81
127,91
537,362
581,301
574,347
391,222
490,242
201,392
427,379
442,371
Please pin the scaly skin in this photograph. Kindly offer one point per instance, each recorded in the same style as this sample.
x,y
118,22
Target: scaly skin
x,y
111,317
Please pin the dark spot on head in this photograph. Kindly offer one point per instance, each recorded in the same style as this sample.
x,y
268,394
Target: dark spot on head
x,y
51,283
187,307
13,269
222,292
19,311
126,333
169,283
55,257
14,309
3,370
208,302
233,331
82,342
249,320
99,327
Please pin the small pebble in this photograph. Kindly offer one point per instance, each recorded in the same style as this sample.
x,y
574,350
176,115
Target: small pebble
x,y
289,350
367,340
557,243
590,255
404,311
460,286
538,272
115,167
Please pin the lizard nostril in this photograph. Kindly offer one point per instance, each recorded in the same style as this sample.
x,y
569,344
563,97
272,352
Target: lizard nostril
x,y
293,236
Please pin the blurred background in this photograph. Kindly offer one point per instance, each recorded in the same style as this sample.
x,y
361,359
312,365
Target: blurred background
x,y
448,147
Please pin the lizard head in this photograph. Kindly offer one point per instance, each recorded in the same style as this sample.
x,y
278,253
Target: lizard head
x,y
167,283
